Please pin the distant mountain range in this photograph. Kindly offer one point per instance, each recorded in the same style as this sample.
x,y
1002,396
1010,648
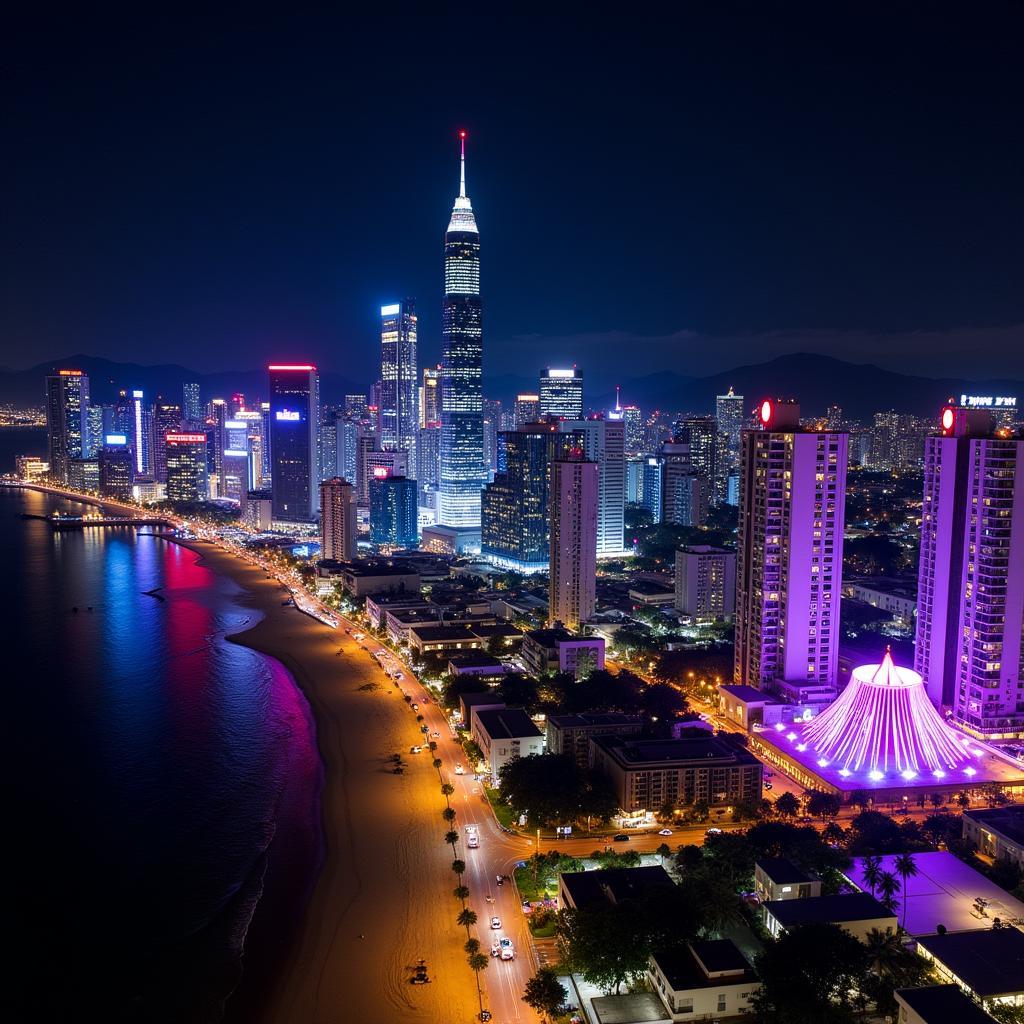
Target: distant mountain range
x,y
816,381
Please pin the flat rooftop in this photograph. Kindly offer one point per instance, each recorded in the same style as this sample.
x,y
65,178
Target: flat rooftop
x,y
630,1008
988,766
507,723
699,746
782,870
553,637
748,693
597,719
613,885
434,634
846,906
989,963
943,892
474,659
943,1004
710,963
1007,821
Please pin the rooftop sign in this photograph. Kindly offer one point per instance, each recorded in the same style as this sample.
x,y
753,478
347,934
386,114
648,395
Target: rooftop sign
x,y
988,402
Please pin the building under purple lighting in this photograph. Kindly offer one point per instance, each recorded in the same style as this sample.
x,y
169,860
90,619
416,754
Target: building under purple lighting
x,y
883,735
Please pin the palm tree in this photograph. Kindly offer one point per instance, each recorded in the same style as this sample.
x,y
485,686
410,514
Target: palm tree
x,y
466,918
477,963
884,952
459,867
872,872
446,791
451,837
888,886
471,946
905,868
461,892
448,814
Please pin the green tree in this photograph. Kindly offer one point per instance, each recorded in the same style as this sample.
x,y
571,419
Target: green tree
x,y
466,918
471,946
545,993
459,867
447,789
451,836
823,805
888,887
905,867
809,974
787,805
892,966
461,892
448,814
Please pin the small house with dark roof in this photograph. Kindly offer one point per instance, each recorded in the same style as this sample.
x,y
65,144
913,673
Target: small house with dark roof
x,y
708,979
503,734
778,878
938,1004
857,913
582,890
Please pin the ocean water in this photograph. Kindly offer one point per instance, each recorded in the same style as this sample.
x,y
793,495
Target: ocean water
x,y
165,822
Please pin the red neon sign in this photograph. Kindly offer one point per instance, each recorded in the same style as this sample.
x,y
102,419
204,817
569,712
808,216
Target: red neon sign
x,y
306,367
767,409
947,418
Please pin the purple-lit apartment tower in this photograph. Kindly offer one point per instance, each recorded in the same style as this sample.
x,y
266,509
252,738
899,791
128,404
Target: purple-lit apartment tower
x,y
572,506
790,559
970,601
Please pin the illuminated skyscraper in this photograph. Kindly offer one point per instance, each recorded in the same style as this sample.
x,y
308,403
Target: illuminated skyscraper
x,y
514,506
337,520
561,393
430,398
970,596
67,420
191,406
730,417
186,466
399,374
237,478
462,439
572,503
393,512
116,467
790,559
167,417
604,442
527,409
634,421
294,418
142,434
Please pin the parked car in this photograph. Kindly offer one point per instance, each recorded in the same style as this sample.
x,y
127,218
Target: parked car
x,y
459,770
495,949
508,951
665,832
495,922
713,832
621,838
415,750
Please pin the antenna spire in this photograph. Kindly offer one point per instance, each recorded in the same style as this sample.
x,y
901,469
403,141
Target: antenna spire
x,y
462,165
618,407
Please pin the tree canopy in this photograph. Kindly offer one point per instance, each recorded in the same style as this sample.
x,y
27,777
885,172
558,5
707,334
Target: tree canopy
x,y
553,790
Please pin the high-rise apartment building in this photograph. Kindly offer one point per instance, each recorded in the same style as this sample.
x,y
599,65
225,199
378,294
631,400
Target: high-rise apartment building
x,y
561,393
116,468
94,425
142,434
702,435
167,417
67,420
356,407
337,520
462,439
186,466
294,418
492,424
237,479
572,504
514,506
633,418
191,406
604,442
730,417
970,600
393,512
790,559
430,397
685,496
428,465
897,441
705,582
399,374
527,409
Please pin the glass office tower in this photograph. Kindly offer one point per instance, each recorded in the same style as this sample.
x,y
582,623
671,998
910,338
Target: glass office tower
x,y
294,418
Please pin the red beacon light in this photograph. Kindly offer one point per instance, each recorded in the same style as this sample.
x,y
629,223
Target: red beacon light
x,y
948,417
767,411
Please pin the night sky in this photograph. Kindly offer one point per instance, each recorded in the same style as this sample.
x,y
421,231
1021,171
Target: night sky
x,y
687,195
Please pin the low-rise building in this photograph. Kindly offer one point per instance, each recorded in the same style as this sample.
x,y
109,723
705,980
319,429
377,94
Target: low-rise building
x,y
938,1004
366,576
581,890
435,639
778,878
705,582
558,650
451,540
744,705
570,734
987,965
708,979
898,599
485,700
997,832
476,663
652,594
857,913
503,734
647,774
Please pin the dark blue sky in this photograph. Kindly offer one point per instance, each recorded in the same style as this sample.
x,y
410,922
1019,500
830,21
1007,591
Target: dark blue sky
x,y
688,194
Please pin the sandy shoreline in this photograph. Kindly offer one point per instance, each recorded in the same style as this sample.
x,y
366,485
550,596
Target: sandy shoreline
x,y
386,872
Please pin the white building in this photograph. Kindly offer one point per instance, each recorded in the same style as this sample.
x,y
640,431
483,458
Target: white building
x,y
604,442
705,582
572,506
503,734
710,979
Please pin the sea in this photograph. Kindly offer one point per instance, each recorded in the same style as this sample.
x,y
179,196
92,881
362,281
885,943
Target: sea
x,y
164,832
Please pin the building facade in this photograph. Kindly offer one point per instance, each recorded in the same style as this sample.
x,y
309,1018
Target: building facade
x,y
67,420
393,512
561,393
462,437
337,520
604,442
970,602
572,504
705,582
186,466
294,448
399,376
789,565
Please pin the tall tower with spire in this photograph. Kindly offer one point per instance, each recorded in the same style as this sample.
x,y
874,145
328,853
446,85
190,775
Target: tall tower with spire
x,y
462,474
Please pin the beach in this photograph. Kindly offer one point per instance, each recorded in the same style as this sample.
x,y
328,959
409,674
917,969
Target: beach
x,y
383,898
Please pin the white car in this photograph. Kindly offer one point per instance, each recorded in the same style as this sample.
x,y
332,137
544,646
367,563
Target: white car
x,y
472,842
508,951
459,770
495,949
415,750
495,922
665,832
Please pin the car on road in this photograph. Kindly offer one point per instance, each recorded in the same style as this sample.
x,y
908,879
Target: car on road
x,y
415,750
415,706
381,653
621,838
713,832
767,785
473,841
665,832
495,922
459,770
358,636
508,951
495,949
